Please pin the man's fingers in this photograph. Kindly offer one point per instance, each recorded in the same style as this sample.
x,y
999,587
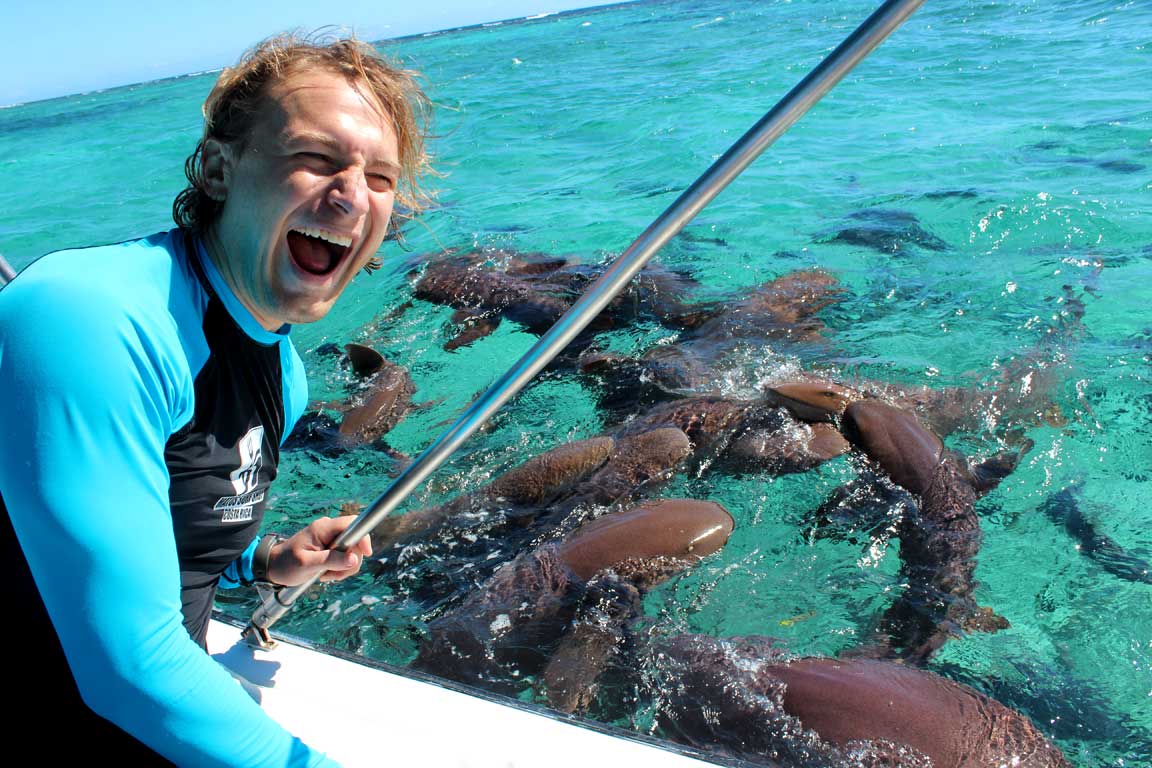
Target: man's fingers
x,y
337,526
340,565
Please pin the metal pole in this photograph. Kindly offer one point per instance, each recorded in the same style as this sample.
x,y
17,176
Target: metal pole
x,y
7,273
799,100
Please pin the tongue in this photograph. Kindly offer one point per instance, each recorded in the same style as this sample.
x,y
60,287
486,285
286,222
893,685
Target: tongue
x,y
310,254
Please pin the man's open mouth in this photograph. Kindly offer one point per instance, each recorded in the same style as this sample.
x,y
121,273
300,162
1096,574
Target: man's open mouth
x,y
317,251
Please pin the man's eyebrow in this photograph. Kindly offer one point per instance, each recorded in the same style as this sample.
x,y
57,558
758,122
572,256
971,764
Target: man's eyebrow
x,y
309,137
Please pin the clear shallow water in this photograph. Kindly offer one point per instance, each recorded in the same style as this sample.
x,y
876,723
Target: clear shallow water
x,y
1019,134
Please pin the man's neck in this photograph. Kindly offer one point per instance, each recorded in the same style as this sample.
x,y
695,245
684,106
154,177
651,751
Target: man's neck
x,y
217,253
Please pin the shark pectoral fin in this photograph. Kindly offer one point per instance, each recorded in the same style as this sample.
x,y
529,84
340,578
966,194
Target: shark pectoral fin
x,y
473,327
598,632
571,677
985,620
987,474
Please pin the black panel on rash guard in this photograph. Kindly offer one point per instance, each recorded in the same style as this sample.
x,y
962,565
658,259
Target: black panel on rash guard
x,y
222,462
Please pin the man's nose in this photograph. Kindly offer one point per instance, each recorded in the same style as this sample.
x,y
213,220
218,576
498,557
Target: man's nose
x,y
349,192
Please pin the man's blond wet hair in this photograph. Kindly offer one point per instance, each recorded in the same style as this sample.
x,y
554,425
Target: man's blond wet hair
x,y
231,109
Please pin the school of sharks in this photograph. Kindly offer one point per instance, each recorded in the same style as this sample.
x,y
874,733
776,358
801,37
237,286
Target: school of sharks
x,y
562,548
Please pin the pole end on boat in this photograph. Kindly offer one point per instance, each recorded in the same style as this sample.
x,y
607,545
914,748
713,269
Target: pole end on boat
x,y
258,637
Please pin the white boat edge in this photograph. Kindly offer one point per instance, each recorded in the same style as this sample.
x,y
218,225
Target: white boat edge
x,y
366,713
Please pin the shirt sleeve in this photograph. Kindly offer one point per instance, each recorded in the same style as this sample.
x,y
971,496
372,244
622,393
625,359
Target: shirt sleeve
x,y
239,571
87,393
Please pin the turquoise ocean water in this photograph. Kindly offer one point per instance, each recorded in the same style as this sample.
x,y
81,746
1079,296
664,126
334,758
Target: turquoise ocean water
x,y
1018,134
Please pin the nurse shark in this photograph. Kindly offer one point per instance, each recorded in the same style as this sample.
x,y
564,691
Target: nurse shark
x,y
556,619
381,398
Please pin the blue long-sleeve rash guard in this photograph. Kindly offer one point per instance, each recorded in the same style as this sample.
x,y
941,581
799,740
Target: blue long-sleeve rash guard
x,y
100,351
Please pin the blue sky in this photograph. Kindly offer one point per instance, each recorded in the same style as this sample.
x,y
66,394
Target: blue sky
x,y
61,47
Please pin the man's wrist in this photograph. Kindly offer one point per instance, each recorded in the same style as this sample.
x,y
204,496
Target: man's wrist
x,y
262,557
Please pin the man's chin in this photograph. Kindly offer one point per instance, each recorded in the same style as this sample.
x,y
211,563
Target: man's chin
x,y
308,313
306,303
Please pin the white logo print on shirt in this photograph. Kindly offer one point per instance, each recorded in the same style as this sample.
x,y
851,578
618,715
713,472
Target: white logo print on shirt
x,y
238,508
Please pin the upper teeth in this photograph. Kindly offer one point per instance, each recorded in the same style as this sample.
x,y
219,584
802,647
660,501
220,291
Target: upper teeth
x,y
324,234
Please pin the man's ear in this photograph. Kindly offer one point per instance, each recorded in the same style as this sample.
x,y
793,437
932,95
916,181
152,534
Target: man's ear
x,y
216,167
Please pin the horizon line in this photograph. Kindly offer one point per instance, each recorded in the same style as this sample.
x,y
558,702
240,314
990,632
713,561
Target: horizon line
x,y
517,20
